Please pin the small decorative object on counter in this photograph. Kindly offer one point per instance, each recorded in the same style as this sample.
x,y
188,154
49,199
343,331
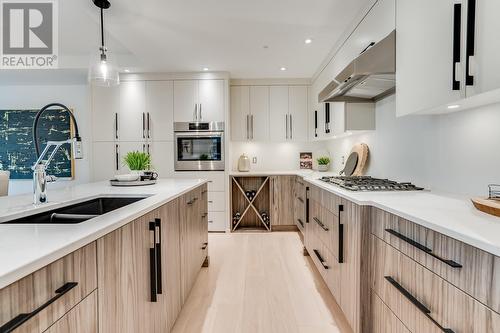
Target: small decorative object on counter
x,y
306,161
244,163
137,161
323,163
491,205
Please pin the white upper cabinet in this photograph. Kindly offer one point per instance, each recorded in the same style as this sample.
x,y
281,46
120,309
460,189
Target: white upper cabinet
x,y
259,113
240,111
211,100
198,100
453,56
132,115
278,114
298,106
105,108
160,110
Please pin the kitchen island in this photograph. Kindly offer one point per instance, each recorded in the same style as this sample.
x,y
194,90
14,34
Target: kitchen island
x,y
141,259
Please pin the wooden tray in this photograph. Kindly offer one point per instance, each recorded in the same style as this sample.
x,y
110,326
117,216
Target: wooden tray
x,y
489,206
115,182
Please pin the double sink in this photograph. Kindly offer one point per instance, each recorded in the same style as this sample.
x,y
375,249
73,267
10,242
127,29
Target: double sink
x,y
79,212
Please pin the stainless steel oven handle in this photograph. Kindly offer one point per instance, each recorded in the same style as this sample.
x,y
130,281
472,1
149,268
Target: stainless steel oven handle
x,y
195,111
251,121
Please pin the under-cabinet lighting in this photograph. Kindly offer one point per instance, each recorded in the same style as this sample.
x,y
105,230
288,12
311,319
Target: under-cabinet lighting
x,y
454,106
308,41
205,69
283,69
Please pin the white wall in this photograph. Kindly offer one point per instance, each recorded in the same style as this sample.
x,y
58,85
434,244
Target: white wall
x,y
34,97
457,153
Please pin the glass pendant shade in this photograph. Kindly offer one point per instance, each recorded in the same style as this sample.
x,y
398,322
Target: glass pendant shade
x,y
103,71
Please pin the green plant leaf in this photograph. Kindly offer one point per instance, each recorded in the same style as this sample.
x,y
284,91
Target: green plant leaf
x,y
136,160
323,160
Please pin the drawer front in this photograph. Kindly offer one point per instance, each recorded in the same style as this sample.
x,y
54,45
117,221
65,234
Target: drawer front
x,y
479,274
216,221
300,188
216,180
300,213
81,319
216,201
382,318
326,199
30,293
422,300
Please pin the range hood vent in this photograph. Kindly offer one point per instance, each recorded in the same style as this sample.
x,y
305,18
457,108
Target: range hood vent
x,y
368,78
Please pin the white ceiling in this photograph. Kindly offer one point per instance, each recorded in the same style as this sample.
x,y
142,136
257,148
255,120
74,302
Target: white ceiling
x,y
223,35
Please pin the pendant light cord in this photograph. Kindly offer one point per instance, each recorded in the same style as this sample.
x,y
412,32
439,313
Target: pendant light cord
x,y
102,30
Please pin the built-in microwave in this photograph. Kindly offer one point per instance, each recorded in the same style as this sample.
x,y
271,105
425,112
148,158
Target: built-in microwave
x,y
199,146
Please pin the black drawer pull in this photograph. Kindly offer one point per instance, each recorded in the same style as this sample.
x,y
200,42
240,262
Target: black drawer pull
x,y
205,245
421,247
152,264
457,24
421,307
471,40
192,201
300,199
320,224
320,258
300,222
24,317
307,204
158,257
341,237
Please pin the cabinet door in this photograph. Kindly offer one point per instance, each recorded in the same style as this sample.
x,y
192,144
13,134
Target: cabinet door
x,y
80,319
126,147
160,110
240,110
132,115
298,113
424,55
282,200
162,160
124,281
337,115
185,100
259,113
485,66
105,108
211,100
278,113
105,160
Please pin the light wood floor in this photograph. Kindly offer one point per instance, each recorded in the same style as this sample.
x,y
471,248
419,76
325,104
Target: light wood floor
x,y
259,282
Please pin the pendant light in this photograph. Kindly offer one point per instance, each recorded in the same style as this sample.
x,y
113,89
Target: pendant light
x,y
103,72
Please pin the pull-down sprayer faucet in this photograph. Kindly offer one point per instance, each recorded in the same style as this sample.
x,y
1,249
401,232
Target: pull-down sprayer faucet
x,y
40,177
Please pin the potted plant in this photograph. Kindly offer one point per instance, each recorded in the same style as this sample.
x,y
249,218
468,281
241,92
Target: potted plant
x,y
137,162
323,163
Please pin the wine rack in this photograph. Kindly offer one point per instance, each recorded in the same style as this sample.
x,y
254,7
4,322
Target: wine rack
x,y
250,204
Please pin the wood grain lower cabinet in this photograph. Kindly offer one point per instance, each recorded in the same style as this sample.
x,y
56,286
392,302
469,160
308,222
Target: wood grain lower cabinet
x,y
282,200
383,319
33,291
422,300
300,203
81,319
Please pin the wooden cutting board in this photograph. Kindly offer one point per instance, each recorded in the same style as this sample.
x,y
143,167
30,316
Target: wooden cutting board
x,y
488,206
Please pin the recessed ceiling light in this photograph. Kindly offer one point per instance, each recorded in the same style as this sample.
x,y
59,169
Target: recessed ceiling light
x,y
308,41
454,106
126,70
283,69
205,69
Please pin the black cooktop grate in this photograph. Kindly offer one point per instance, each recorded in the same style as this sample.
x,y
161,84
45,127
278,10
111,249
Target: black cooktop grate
x,y
365,183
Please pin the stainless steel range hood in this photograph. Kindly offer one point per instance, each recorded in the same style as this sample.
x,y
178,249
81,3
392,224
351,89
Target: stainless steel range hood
x,y
368,78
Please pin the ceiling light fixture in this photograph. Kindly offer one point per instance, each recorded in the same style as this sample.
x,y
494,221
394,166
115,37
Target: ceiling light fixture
x,y
205,69
103,72
126,70
454,106
308,41
283,69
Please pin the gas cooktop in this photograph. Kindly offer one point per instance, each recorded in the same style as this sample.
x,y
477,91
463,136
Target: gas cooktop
x,y
365,183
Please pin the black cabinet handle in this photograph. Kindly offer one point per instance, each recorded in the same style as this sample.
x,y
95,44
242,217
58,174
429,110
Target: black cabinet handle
x,y
158,257
341,237
300,222
367,47
152,263
192,201
117,157
307,204
471,40
457,36
315,124
300,199
320,223
424,248
21,318
149,125
327,118
116,125
320,258
143,125
421,307
205,245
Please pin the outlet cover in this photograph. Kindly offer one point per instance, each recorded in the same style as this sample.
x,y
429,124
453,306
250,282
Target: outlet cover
x,y
254,160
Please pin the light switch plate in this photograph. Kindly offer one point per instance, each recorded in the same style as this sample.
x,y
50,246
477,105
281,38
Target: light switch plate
x,y
254,160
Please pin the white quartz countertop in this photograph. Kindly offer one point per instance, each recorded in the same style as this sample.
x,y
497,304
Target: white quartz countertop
x,y
453,216
25,248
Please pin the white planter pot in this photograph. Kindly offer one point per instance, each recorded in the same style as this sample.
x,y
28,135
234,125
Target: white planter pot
x,y
323,167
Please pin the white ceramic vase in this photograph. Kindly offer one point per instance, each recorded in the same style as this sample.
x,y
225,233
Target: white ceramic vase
x,y
323,167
